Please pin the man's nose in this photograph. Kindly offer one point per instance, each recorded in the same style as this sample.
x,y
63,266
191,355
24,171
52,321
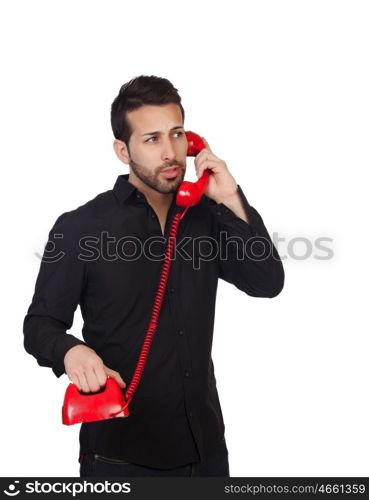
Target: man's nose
x,y
168,150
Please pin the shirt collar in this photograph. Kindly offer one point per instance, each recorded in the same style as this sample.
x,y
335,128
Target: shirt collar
x,y
123,189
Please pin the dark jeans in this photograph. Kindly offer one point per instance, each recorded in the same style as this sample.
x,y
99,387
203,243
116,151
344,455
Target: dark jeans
x,y
215,464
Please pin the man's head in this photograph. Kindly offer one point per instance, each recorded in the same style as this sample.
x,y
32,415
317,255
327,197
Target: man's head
x,y
147,119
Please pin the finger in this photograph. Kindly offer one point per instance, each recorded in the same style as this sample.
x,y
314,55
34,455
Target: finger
x,y
205,154
100,375
202,170
119,379
75,381
116,375
213,166
83,382
92,380
208,159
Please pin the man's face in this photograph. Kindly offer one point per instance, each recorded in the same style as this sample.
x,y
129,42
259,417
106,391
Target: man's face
x,y
158,141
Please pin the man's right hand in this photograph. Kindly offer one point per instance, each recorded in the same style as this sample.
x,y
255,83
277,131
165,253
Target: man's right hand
x,y
87,370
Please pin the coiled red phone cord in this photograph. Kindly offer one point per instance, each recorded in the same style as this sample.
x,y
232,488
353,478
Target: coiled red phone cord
x,y
156,309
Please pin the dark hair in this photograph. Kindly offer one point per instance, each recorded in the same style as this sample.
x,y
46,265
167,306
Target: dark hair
x,y
136,93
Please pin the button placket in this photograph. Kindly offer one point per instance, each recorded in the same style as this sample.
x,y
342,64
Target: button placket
x,y
185,361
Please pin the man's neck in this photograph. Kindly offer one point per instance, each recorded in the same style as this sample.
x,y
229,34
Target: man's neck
x,y
159,201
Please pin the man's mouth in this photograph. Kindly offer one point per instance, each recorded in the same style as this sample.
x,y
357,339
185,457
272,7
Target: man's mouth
x,y
170,172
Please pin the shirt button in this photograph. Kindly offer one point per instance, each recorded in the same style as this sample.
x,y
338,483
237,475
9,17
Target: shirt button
x,y
219,213
153,216
187,374
172,290
180,332
190,413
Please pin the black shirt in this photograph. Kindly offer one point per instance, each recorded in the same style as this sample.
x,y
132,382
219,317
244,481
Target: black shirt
x,y
99,256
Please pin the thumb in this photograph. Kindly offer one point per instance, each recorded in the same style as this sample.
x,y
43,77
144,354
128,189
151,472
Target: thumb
x,y
116,376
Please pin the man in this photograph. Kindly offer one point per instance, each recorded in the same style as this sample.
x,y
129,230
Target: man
x,y
107,255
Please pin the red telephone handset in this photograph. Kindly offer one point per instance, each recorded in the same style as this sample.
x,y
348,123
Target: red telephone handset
x,y
111,402
190,193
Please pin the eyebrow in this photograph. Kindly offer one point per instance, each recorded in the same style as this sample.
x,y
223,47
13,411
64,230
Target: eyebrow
x,y
159,132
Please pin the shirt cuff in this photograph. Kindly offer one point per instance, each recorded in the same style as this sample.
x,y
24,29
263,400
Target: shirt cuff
x,y
62,346
226,215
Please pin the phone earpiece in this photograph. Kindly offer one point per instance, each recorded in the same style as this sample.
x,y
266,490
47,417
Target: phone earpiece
x,y
190,193
195,143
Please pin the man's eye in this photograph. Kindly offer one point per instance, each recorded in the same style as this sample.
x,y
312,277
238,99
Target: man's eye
x,y
154,136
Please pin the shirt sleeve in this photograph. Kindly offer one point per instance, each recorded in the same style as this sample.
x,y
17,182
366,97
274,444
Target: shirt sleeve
x,y
248,258
57,293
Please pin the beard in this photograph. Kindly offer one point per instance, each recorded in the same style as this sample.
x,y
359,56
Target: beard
x,y
152,179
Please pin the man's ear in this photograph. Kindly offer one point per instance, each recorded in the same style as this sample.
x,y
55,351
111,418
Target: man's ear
x,y
121,151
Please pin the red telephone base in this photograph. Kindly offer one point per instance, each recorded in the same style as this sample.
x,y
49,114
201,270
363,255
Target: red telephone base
x,y
89,407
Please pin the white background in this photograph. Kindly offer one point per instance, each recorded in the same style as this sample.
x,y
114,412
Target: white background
x,y
280,91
